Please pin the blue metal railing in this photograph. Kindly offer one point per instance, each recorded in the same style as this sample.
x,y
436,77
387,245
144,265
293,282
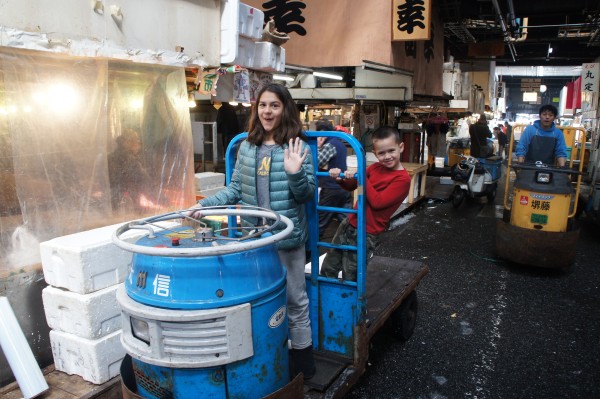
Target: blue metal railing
x,y
312,209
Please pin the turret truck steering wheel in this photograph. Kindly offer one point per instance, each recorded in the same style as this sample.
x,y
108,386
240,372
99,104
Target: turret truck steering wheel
x,y
255,239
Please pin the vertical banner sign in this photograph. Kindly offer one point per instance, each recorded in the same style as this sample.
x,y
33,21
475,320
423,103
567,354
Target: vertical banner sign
x,y
241,87
589,85
589,77
411,20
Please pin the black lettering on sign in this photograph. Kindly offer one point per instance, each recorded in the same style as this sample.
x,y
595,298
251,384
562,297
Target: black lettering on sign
x,y
410,49
287,15
410,16
429,47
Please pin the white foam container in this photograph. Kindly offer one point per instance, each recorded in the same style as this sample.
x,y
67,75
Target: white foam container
x,y
245,53
269,57
230,17
209,180
88,261
250,21
209,191
90,316
96,361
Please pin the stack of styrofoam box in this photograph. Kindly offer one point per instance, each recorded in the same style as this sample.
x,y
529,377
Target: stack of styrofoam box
x,y
269,57
241,25
209,183
83,271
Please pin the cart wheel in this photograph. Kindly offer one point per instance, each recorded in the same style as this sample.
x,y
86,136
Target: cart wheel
x,y
492,191
458,195
506,215
404,318
580,206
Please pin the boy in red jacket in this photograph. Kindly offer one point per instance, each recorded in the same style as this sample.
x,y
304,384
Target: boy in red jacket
x,y
387,184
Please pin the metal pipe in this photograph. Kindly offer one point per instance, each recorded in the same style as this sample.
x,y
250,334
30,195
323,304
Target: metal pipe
x,y
511,13
557,26
18,353
506,34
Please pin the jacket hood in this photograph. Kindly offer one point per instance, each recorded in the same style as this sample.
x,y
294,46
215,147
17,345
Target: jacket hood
x,y
538,125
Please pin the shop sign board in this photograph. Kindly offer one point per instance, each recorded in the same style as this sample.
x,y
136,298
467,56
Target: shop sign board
x,y
500,89
589,77
590,74
531,84
411,20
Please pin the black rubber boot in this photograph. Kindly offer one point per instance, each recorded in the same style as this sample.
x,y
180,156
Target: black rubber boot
x,y
302,361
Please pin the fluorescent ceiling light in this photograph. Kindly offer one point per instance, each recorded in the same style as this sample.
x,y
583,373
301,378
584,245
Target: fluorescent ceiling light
x,y
327,75
377,67
297,68
283,77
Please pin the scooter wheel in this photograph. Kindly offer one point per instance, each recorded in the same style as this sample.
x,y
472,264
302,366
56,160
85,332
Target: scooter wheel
x,y
458,195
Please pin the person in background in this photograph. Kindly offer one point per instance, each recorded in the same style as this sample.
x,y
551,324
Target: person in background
x,y
508,132
274,170
437,127
332,153
496,130
479,133
463,123
386,185
501,137
543,141
126,172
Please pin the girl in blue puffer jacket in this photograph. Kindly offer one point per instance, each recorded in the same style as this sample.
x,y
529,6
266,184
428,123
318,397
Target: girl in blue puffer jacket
x,y
274,169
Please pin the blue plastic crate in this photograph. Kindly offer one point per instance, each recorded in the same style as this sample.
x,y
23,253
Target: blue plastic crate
x,y
493,165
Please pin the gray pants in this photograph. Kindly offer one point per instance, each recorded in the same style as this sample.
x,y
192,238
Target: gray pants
x,y
297,299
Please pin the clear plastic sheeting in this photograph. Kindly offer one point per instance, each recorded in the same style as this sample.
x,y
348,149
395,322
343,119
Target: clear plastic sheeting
x,y
84,143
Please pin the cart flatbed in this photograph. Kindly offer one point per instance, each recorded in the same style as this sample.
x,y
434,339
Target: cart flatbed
x,y
389,282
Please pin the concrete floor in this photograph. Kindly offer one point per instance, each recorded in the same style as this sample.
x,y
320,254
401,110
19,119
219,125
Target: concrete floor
x,y
487,328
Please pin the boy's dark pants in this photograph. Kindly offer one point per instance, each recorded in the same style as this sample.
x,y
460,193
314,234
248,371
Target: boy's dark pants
x,y
345,260
331,197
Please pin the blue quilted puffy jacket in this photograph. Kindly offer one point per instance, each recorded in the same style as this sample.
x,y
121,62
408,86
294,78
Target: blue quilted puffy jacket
x,y
288,192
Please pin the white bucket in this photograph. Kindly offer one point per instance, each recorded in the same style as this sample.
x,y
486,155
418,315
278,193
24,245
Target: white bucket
x,y
439,162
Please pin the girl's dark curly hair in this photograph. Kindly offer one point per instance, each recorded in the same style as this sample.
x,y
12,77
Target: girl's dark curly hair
x,y
290,127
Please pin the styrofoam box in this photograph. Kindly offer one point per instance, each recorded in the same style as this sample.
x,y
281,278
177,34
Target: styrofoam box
x,y
351,161
210,191
269,57
245,53
96,361
208,180
90,316
230,15
250,21
88,261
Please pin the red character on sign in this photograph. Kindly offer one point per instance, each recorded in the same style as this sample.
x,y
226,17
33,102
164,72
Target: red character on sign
x,y
524,200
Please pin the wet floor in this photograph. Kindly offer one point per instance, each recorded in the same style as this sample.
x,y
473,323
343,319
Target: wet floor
x,y
487,328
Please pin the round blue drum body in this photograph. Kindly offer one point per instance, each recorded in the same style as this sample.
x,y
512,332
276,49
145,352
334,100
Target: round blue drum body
x,y
210,327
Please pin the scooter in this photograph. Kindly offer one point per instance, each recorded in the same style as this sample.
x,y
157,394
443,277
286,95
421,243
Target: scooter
x,y
475,177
